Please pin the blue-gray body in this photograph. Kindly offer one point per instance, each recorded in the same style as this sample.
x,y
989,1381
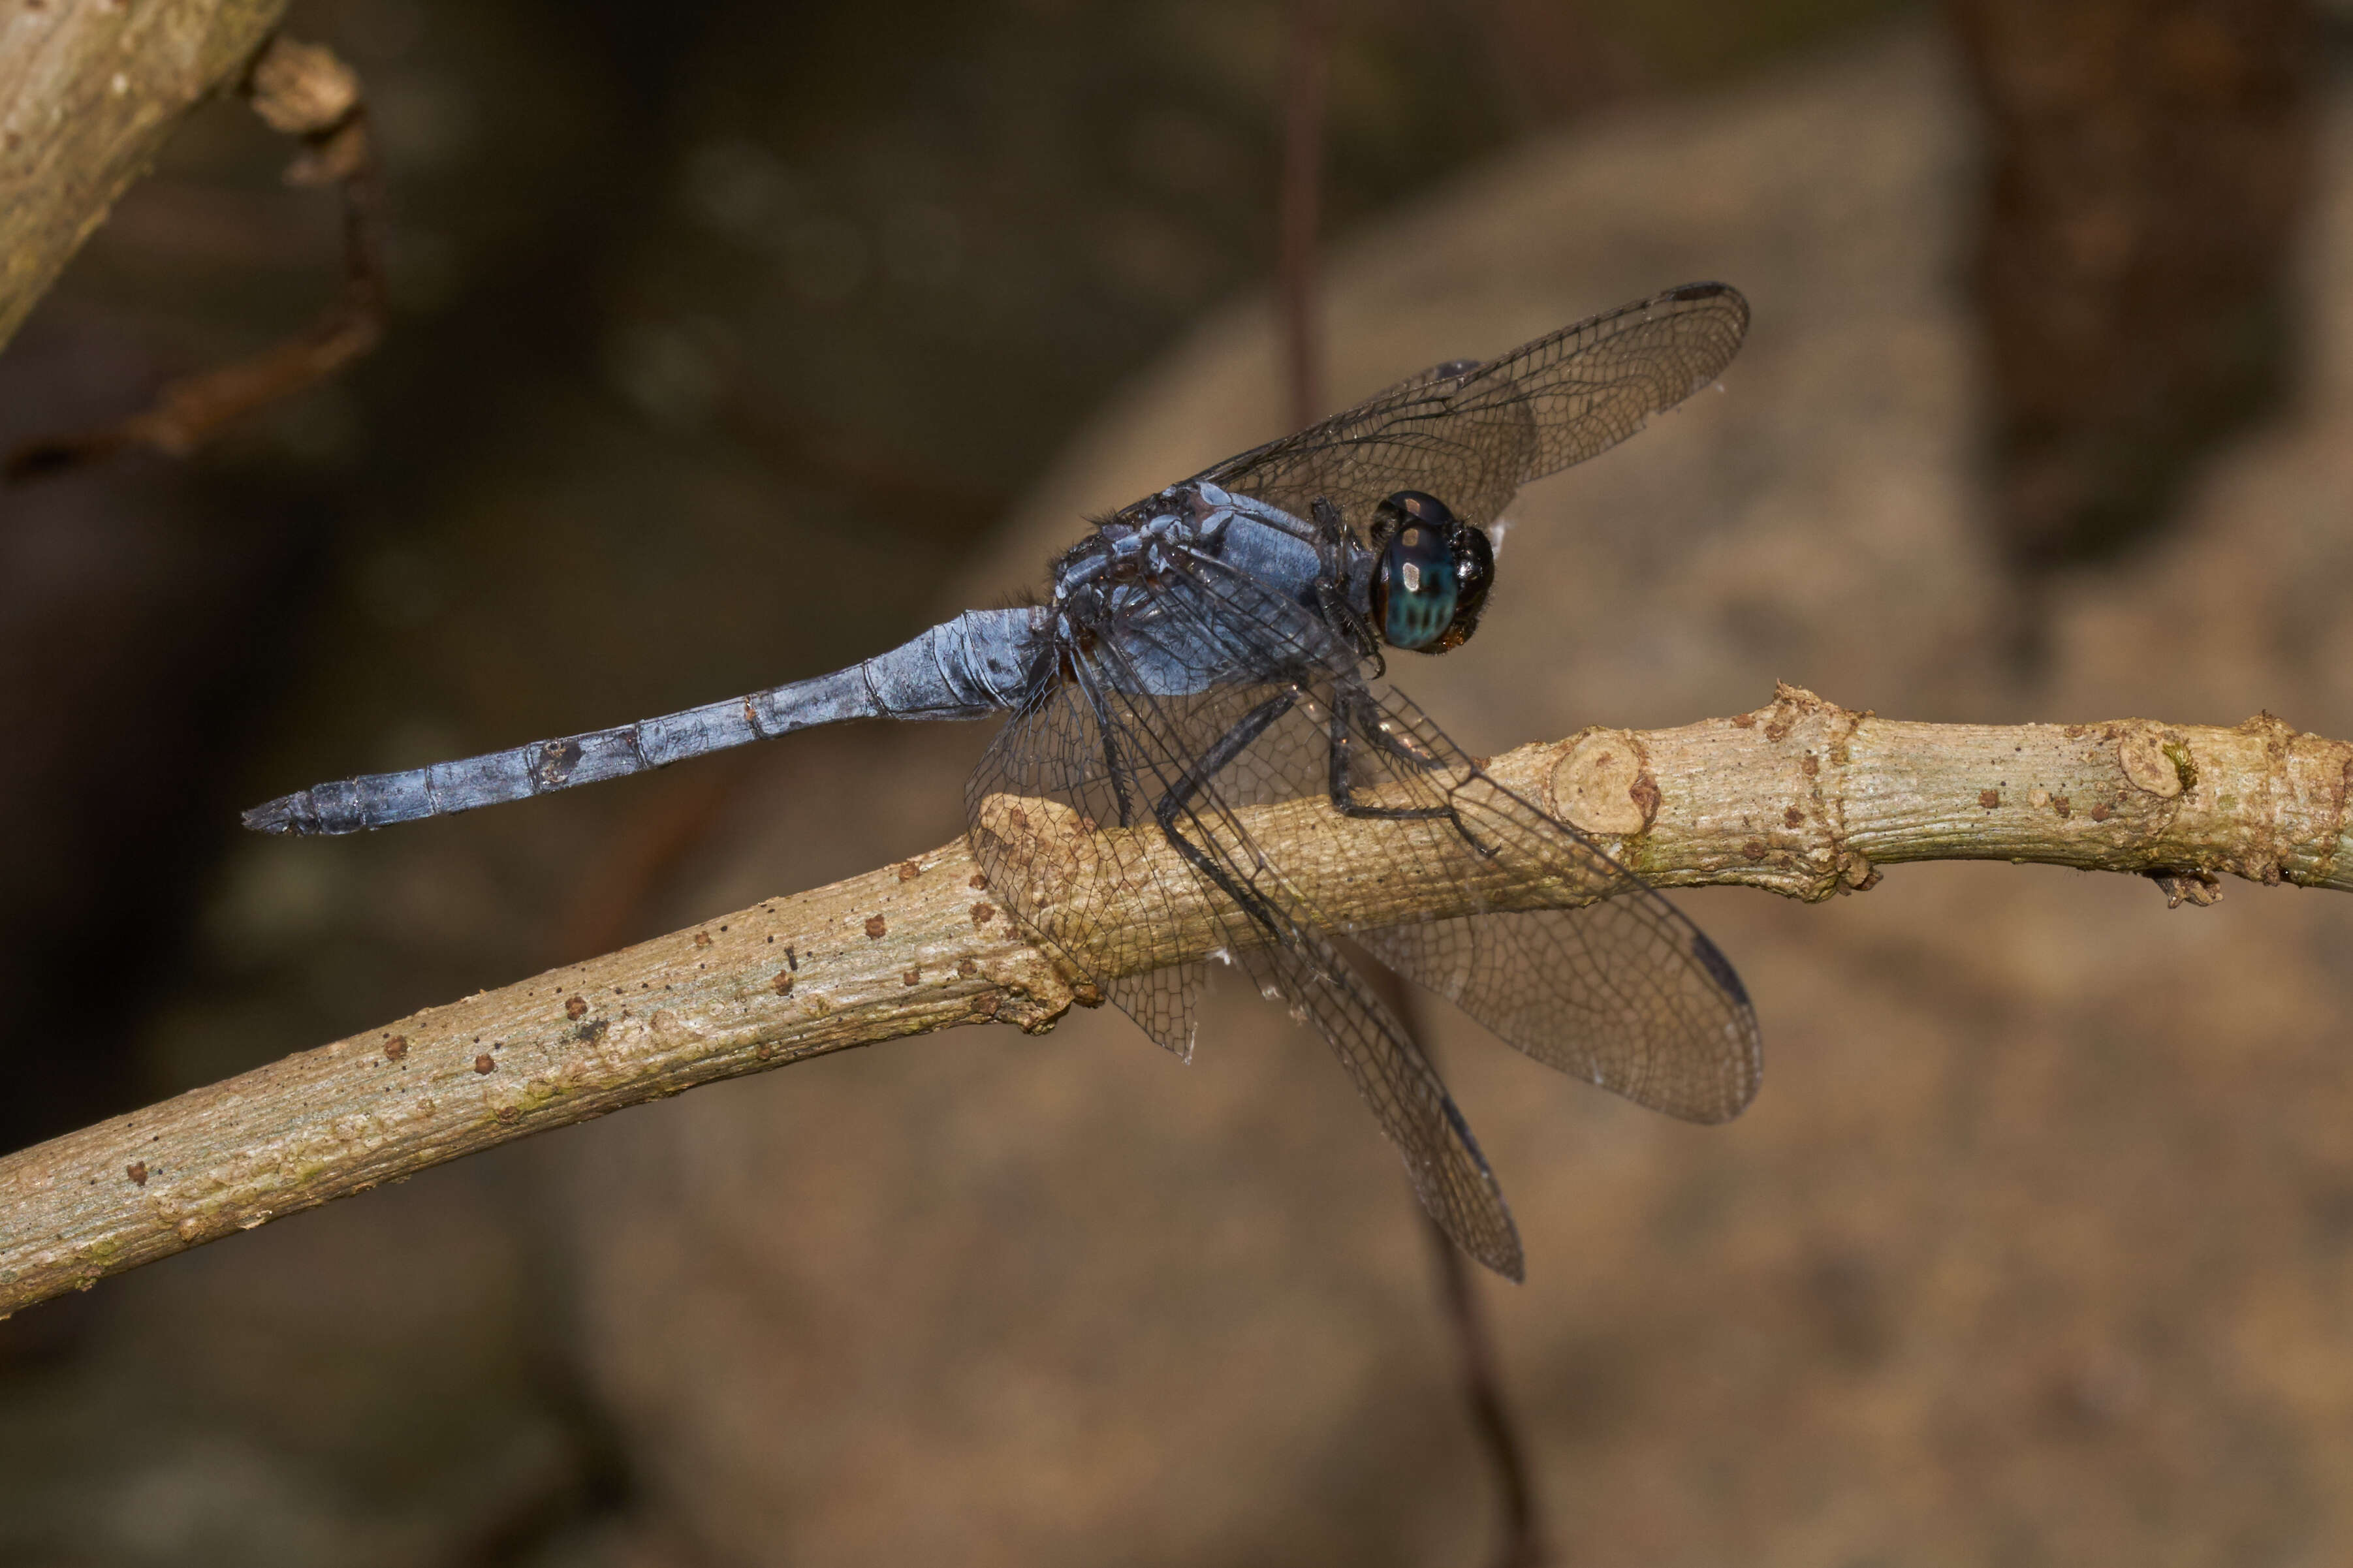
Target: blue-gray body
x,y
980,663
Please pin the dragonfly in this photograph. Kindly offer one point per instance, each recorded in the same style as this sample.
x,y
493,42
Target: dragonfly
x,y
1224,644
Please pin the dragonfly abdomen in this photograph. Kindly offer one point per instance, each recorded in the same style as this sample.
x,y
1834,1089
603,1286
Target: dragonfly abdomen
x,y
977,663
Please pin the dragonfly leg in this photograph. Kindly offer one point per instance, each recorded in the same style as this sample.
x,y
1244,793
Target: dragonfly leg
x,y
1332,592
1196,778
1112,770
1344,726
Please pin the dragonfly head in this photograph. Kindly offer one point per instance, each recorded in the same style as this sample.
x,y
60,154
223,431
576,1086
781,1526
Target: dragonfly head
x,y
1431,575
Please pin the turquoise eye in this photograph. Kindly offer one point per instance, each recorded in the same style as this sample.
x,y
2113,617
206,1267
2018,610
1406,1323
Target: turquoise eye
x,y
1417,586
1430,576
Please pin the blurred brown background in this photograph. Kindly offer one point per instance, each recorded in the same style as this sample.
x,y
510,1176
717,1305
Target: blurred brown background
x,y
736,343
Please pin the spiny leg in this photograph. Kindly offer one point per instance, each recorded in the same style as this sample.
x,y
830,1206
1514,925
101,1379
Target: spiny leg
x,y
1334,537
1113,769
1344,711
1196,778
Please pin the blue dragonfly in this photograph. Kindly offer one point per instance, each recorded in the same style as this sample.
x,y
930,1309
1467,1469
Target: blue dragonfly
x,y
1222,645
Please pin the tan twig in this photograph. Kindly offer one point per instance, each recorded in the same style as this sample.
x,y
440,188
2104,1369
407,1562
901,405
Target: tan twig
x,y
299,89
1802,797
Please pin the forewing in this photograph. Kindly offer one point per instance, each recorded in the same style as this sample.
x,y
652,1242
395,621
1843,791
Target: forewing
x,y
1473,434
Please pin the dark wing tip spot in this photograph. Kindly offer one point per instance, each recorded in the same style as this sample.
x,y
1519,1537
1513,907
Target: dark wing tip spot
x,y
1698,291
1718,967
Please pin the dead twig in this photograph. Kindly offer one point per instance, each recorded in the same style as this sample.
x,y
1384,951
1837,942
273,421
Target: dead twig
x,y
301,90
1520,1538
1522,1542
1802,797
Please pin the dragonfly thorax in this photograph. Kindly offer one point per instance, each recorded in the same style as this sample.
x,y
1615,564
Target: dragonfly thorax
x,y
1118,553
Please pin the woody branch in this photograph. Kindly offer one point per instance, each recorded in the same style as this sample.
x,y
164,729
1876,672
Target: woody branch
x,y
1802,797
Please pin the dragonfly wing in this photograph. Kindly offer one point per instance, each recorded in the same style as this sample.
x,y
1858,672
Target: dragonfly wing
x,y
1625,993
1671,1030
1180,712
1200,757
1055,754
1448,1173
1621,990
1471,434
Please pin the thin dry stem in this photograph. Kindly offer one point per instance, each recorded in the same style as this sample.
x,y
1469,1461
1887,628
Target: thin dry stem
x,y
1802,797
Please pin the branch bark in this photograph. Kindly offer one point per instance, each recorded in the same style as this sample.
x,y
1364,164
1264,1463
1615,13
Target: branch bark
x,y
88,89
1801,797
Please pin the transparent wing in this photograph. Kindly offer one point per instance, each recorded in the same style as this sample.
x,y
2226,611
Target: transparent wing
x,y
1471,434
1623,991
1100,747
1057,754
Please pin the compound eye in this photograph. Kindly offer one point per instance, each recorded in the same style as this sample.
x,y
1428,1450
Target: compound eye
x,y
1415,585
